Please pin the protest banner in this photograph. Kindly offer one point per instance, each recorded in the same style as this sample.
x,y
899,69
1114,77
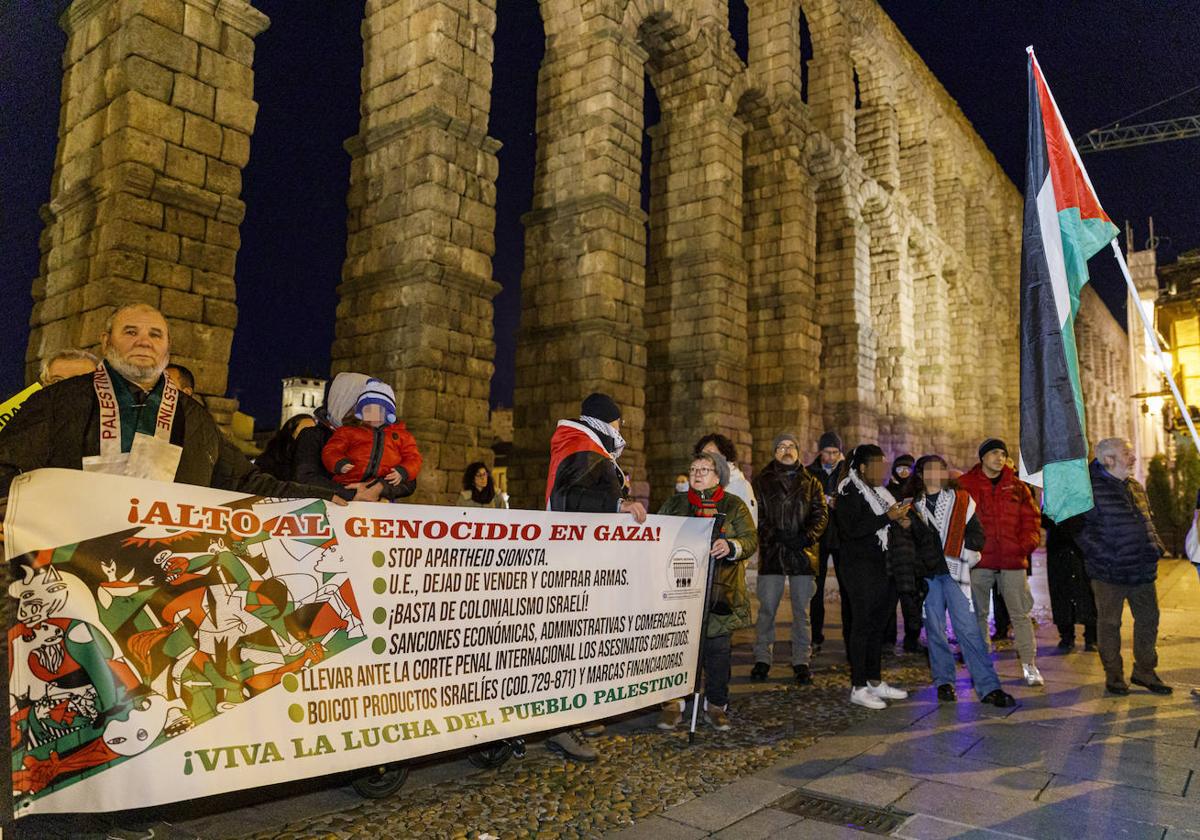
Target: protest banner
x,y
174,641
10,407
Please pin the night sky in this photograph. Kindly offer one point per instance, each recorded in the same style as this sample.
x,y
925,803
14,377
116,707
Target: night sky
x,y
1103,62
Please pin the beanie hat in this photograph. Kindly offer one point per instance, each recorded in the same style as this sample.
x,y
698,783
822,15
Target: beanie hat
x,y
782,436
990,444
719,464
830,440
343,393
600,406
377,392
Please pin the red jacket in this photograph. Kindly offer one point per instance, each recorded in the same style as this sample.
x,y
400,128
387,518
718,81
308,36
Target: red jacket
x,y
1010,519
357,446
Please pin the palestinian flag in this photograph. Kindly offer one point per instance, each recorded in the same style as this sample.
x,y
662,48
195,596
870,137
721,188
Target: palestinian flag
x,y
1064,226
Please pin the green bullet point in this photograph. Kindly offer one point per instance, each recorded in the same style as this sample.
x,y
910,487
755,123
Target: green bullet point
x,y
380,615
296,713
377,559
290,683
378,645
380,586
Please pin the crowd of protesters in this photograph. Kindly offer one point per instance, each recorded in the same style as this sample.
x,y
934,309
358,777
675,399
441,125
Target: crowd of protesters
x,y
907,534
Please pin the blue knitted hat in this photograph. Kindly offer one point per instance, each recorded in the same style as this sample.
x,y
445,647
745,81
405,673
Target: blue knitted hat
x,y
376,392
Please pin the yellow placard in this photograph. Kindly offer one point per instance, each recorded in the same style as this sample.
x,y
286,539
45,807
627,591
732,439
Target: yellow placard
x,y
10,407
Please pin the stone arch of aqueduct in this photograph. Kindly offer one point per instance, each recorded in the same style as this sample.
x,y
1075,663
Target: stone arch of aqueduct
x,y
829,243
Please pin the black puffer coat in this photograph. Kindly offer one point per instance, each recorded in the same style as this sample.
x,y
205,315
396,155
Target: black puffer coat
x,y
915,553
792,517
1118,541
829,481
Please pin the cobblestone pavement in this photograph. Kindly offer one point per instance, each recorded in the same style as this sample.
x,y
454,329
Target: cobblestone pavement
x,y
641,771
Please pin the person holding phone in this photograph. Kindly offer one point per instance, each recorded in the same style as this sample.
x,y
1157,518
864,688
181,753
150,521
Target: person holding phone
x,y
932,553
864,514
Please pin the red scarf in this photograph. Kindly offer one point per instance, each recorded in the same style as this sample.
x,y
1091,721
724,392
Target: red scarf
x,y
705,507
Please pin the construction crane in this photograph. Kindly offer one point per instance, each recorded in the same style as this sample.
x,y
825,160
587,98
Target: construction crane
x,y
1142,134
1117,136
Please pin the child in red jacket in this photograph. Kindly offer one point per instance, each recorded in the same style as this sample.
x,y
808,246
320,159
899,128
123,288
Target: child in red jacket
x,y
371,445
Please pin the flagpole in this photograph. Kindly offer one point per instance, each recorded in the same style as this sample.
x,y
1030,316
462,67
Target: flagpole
x,y
1152,334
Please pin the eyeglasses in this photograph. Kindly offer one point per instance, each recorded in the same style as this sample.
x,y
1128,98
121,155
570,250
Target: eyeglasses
x,y
784,447
701,471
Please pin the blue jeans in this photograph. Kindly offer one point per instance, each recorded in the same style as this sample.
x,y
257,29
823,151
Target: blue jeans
x,y
945,594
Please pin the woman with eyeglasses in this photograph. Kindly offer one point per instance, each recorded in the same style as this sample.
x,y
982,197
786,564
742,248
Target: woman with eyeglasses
x,y
729,602
932,555
479,488
864,515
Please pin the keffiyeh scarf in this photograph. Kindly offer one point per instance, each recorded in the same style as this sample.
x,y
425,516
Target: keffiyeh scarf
x,y
878,498
607,433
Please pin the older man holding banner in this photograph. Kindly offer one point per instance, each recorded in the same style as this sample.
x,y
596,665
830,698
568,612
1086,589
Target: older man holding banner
x,y
325,638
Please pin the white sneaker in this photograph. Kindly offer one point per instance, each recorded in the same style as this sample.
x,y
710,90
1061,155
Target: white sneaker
x,y
864,697
1032,675
887,692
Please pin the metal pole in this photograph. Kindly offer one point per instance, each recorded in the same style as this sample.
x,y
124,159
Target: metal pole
x,y
717,524
1153,336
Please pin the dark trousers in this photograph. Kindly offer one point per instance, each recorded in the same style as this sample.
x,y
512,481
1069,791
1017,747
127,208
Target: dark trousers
x,y
1071,598
910,606
868,586
717,655
1000,613
816,609
1110,604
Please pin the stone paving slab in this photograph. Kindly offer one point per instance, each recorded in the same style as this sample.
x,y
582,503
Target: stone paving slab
x,y
925,827
761,825
974,808
858,784
659,828
814,830
965,772
1106,797
728,805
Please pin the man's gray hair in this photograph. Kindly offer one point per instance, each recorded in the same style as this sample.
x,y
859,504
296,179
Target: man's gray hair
x,y
1110,446
69,354
128,307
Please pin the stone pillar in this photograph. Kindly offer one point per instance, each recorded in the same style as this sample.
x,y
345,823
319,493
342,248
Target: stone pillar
x,y
932,330
916,180
892,323
774,34
831,79
966,370
144,204
876,142
583,290
844,304
779,242
696,289
415,299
